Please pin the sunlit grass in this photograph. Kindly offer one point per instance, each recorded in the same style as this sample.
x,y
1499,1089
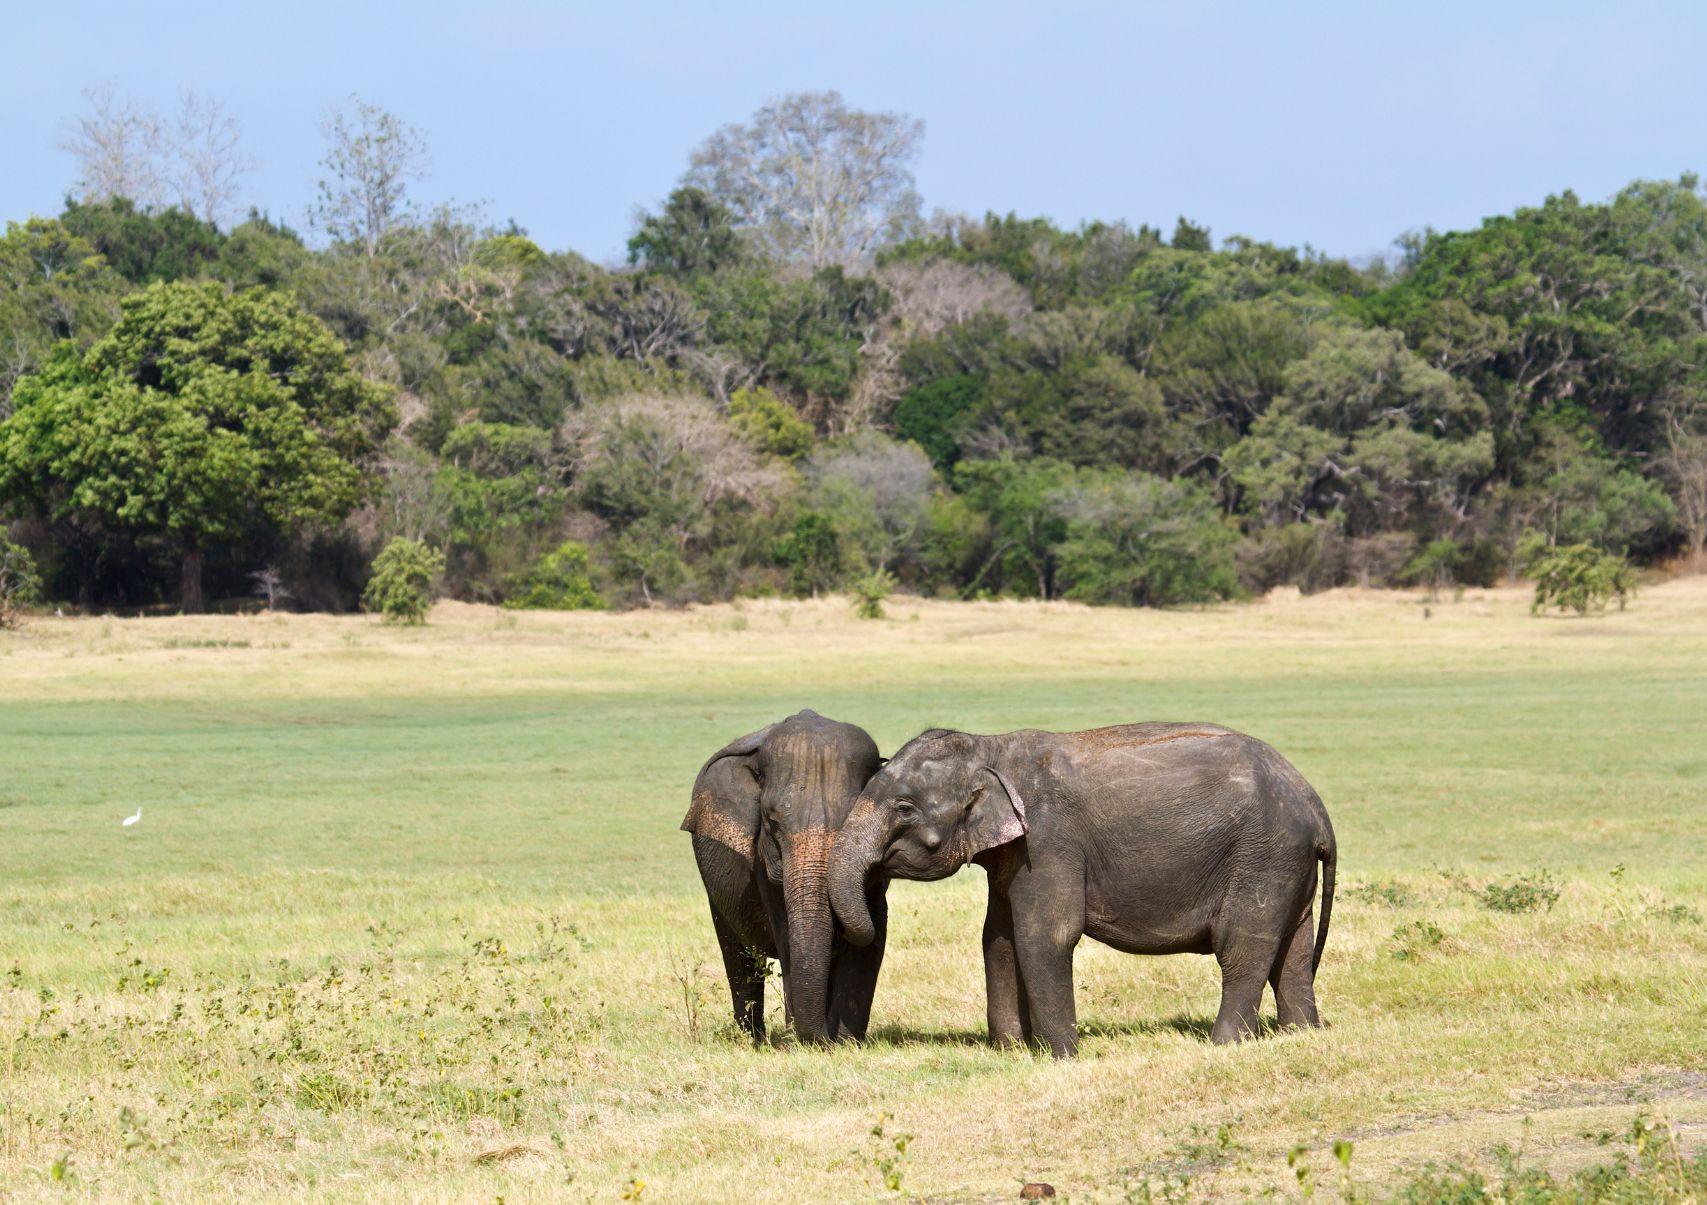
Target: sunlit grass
x,y
408,916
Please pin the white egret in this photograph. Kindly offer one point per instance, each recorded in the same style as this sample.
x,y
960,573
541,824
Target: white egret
x,y
130,820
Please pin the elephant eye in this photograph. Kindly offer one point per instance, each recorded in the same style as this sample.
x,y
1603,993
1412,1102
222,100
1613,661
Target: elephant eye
x,y
904,808
758,775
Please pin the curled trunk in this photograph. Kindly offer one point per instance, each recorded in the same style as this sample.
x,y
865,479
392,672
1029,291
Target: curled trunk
x,y
858,847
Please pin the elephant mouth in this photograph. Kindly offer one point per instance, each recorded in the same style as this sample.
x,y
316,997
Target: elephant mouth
x,y
915,865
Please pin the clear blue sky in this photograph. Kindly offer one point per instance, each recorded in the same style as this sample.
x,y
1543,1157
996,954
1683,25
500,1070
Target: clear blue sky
x,y
1336,124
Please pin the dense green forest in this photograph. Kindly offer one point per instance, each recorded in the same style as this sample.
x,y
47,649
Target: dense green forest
x,y
798,381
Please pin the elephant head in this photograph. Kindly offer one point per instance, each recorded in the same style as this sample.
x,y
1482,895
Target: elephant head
x,y
939,803
776,798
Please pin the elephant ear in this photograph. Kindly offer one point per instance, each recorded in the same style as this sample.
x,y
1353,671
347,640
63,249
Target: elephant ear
x,y
725,806
995,817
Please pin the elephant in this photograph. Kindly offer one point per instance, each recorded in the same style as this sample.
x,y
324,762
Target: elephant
x,y
764,815
1152,838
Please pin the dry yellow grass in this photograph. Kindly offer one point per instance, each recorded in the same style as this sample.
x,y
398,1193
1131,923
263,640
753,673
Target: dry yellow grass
x,y
407,915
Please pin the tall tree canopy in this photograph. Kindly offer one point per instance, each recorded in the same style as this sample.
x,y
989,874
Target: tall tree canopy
x,y
199,416
816,181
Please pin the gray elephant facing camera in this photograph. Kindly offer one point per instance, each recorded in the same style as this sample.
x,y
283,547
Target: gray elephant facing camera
x,y
1151,838
765,812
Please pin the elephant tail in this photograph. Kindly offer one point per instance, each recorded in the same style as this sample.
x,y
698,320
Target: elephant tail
x,y
1328,853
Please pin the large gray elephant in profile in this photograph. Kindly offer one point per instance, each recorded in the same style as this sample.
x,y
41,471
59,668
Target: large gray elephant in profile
x,y
765,812
1151,838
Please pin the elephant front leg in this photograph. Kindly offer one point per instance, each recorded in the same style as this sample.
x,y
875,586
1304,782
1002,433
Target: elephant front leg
x,y
1048,921
746,975
1007,1008
853,976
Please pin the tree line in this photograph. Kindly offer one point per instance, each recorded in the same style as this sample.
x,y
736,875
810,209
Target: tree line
x,y
798,382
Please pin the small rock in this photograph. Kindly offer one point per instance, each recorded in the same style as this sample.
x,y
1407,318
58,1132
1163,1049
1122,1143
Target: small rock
x,y
1036,1192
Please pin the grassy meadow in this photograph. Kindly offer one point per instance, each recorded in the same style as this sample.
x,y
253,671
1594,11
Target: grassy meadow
x,y
407,915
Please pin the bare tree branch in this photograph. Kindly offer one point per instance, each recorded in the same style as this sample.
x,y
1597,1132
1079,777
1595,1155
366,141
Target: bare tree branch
x,y
818,183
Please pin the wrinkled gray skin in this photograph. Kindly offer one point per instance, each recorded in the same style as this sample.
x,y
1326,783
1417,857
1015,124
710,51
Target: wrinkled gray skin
x,y
764,815
1151,838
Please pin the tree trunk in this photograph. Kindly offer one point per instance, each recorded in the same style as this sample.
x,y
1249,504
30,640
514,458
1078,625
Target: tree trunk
x,y
190,600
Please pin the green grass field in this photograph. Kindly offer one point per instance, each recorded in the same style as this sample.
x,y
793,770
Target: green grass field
x,y
407,915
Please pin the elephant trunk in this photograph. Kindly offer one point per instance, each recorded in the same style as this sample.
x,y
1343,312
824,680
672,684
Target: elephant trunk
x,y
805,868
858,848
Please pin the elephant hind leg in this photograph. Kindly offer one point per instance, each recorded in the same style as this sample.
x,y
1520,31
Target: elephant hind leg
x,y
1294,985
1246,956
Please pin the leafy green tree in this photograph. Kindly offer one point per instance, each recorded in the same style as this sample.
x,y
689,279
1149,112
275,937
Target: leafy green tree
x,y
877,491
506,494
199,419
404,581
812,553
1435,565
769,424
930,415
1369,432
1286,469
560,581
145,246
1569,318
1027,526
806,332
956,539
672,478
1095,411
261,252
1137,540
19,583
1224,368
1580,578
54,285
511,382
1577,495
870,593
1190,237
695,233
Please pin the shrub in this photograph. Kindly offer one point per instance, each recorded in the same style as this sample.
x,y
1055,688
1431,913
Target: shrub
x,y
1385,892
930,416
1311,556
1525,893
812,553
559,581
1411,941
1580,578
869,593
769,424
1656,1167
19,585
1435,565
1138,540
404,581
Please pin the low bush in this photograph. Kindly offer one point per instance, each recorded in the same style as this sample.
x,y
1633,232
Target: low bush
x,y
1411,941
560,581
1580,578
404,581
869,593
19,584
1524,893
